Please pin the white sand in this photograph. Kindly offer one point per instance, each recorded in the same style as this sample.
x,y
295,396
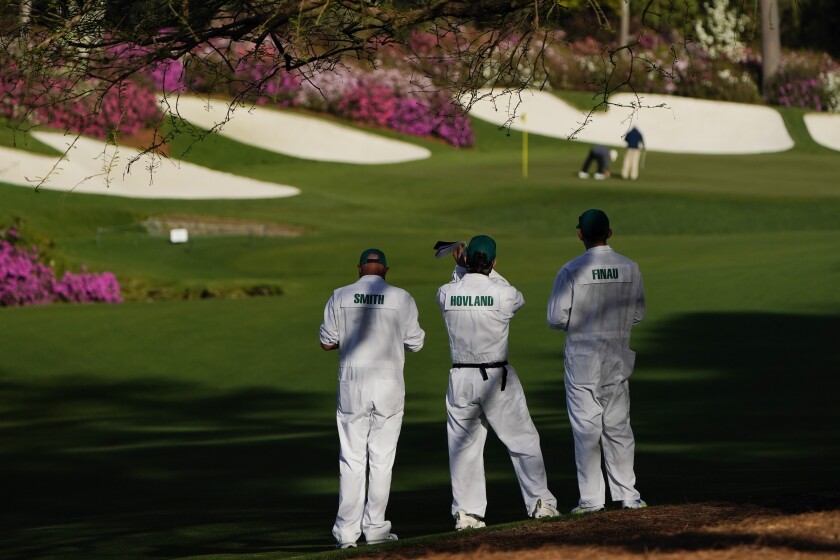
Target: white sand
x,y
668,123
824,129
86,170
295,135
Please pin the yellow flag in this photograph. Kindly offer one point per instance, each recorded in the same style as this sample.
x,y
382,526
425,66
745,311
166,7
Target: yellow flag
x,y
524,149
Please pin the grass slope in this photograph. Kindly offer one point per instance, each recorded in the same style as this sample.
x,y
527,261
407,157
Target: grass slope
x,y
206,428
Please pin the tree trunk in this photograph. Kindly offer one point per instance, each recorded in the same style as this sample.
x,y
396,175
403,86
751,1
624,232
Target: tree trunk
x,y
771,43
624,30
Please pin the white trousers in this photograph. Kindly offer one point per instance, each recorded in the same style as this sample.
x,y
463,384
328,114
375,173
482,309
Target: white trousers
x,y
369,419
600,417
630,166
471,405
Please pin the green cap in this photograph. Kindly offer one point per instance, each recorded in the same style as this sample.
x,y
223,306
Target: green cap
x,y
482,244
593,223
373,256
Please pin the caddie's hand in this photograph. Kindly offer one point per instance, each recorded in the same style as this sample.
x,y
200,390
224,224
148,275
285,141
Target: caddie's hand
x,y
458,255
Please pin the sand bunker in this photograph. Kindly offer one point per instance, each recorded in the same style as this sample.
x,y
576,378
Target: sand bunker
x,y
294,135
669,124
94,167
824,129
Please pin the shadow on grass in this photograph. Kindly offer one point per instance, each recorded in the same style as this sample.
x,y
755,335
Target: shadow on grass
x,y
725,406
737,407
160,469
733,406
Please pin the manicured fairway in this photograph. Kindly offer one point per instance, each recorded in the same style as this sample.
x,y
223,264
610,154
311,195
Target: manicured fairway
x,y
199,428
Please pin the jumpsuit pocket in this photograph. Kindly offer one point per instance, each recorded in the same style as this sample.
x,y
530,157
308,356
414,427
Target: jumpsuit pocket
x,y
600,362
461,391
349,396
583,365
627,363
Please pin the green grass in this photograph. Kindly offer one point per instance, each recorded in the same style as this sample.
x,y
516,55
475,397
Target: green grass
x,y
205,428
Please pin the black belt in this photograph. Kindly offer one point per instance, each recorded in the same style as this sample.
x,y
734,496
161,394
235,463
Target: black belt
x,y
484,367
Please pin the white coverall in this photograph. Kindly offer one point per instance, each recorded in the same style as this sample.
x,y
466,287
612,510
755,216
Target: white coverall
x,y
597,298
373,323
477,311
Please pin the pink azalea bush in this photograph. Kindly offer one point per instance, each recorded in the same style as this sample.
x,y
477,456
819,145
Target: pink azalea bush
x,y
25,280
167,75
388,97
123,109
807,80
87,287
88,106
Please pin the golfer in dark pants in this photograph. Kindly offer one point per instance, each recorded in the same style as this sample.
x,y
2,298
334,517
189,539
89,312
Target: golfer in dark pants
x,y
602,156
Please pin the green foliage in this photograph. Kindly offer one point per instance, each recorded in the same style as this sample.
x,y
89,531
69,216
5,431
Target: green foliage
x,y
810,25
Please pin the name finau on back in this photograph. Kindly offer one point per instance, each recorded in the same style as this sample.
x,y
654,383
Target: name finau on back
x,y
605,274
619,273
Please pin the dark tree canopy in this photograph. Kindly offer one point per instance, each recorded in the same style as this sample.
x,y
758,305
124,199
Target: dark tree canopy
x,y
307,36
68,51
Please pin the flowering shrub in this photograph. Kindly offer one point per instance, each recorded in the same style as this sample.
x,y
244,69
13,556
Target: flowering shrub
x,y
659,65
12,92
721,30
831,85
390,97
24,280
88,287
123,109
807,80
168,76
88,106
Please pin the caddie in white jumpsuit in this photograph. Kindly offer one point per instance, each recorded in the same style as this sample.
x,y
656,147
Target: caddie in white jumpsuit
x,y
597,298
372,324
484,390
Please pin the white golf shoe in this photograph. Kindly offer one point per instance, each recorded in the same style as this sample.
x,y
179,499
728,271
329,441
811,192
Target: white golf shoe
x,y
587,507
544,510
467,521
600,176
634,504
583,174
390,537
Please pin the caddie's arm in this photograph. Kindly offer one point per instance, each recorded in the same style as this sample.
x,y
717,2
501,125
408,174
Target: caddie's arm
x,y
329,328
458,255
518,300
414,335
560,302
640,311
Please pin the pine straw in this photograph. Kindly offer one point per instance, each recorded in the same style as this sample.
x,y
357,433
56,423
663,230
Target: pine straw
x,y
709,531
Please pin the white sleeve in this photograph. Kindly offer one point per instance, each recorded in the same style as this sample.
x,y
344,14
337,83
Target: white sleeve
x,y
518,299
639,314
441,297
560,301
414,335
329,328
